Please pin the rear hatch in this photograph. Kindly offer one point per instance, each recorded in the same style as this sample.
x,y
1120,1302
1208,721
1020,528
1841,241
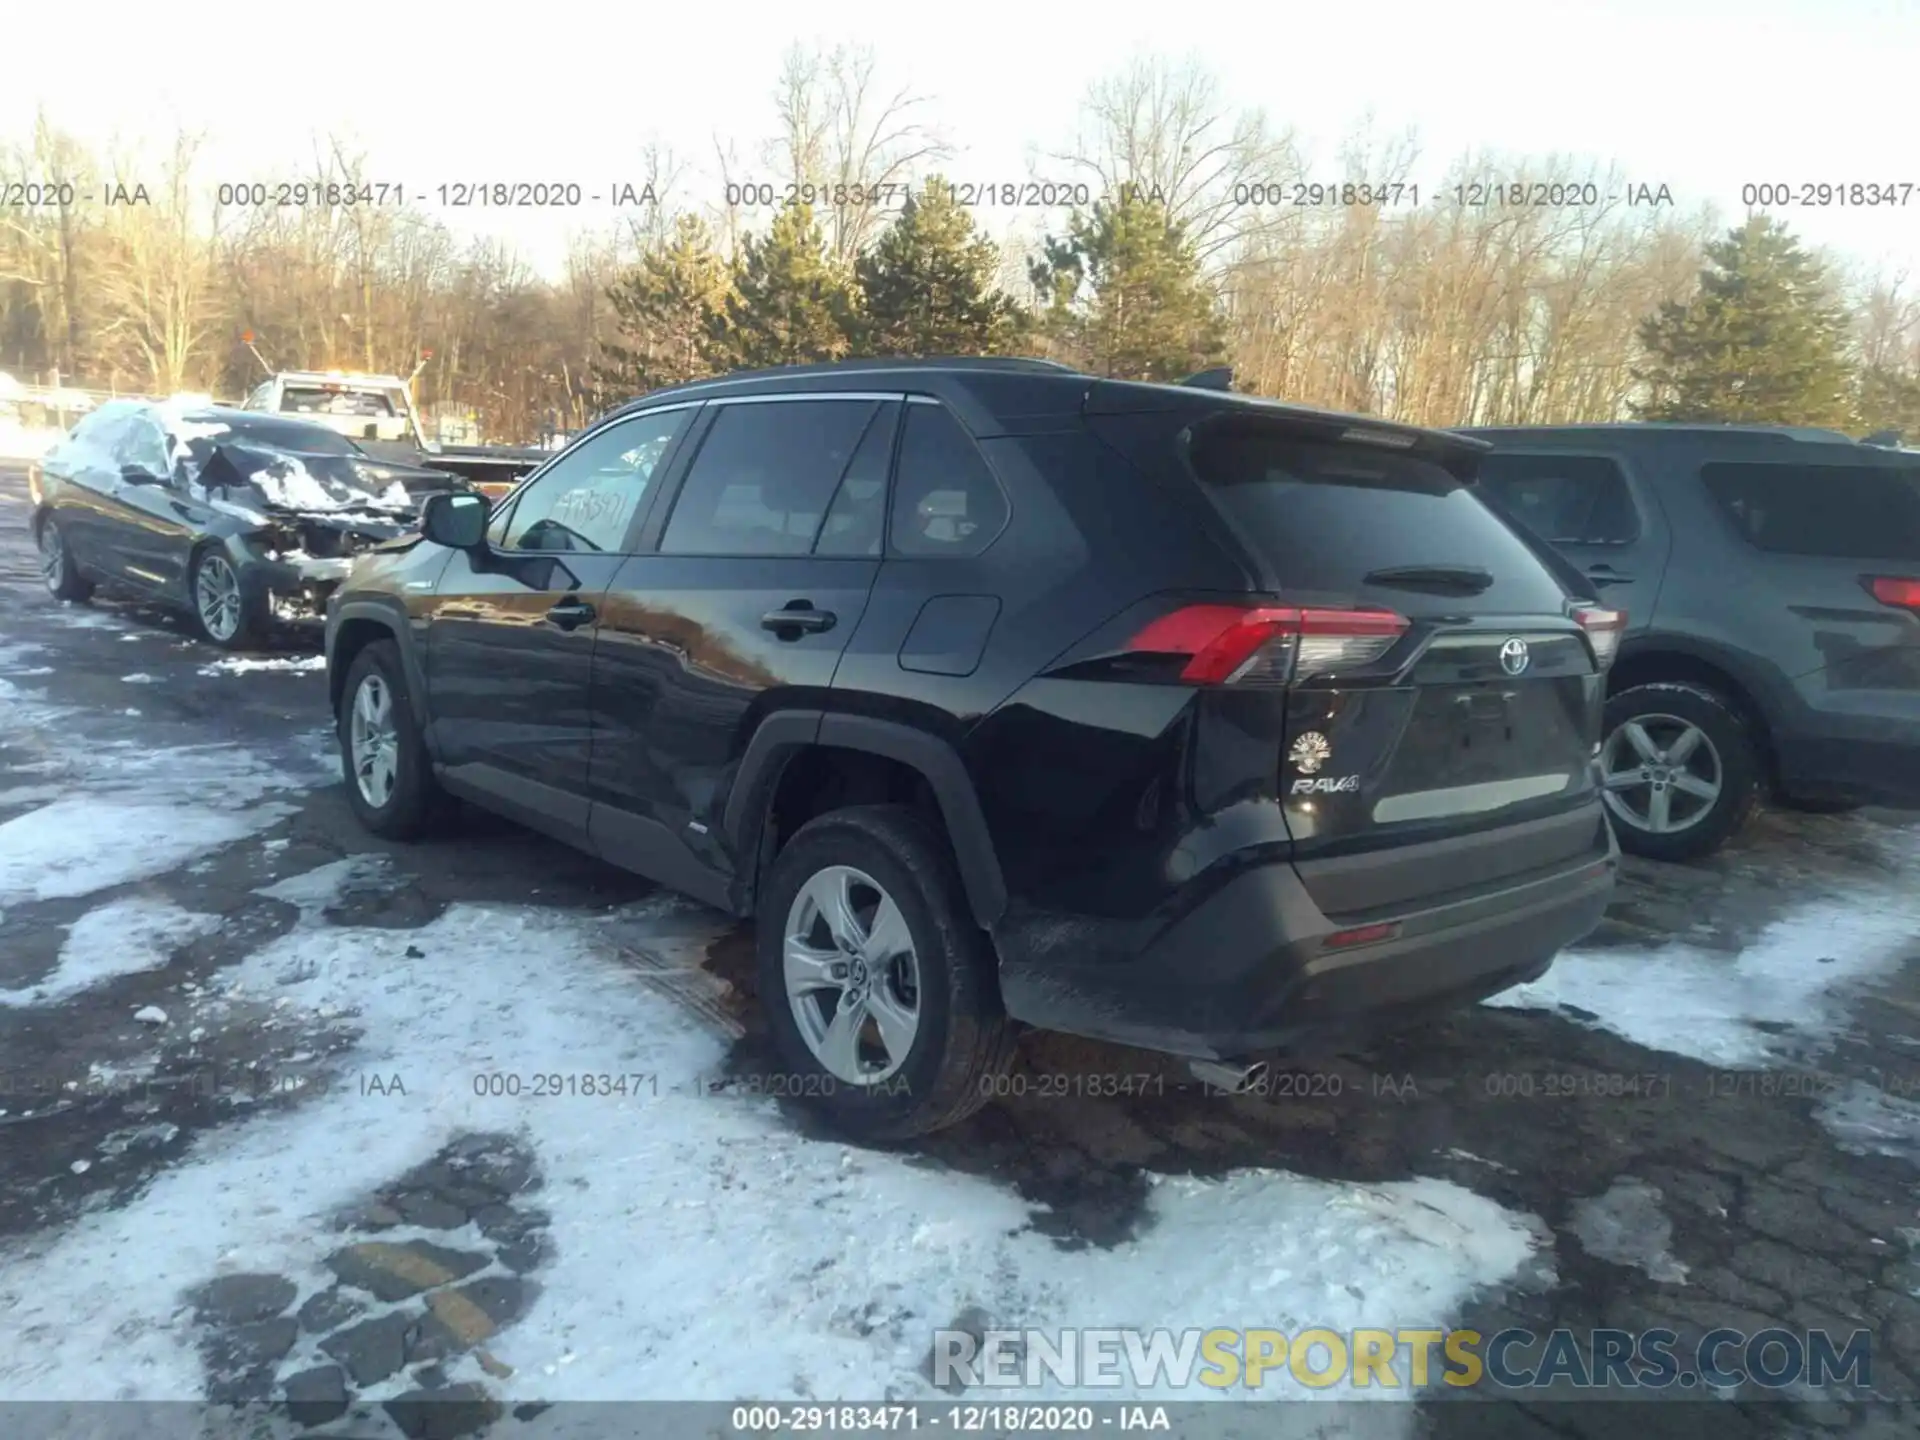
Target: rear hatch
x,y
1438,680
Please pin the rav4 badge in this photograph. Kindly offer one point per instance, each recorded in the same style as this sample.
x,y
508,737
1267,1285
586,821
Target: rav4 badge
x,y
1327,785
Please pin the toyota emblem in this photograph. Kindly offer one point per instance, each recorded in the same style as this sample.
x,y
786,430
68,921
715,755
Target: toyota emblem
x,y
1514,657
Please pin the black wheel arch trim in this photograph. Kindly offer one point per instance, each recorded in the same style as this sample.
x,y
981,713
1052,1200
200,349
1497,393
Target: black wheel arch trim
x,y
784,734
1767,695
389,618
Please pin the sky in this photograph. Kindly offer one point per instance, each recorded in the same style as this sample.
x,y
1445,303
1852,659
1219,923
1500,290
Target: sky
x,y
1705,96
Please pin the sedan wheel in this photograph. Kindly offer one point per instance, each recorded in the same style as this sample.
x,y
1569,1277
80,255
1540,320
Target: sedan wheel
x,y
1662,774
852,978
53,558
57,570
373,745
217,598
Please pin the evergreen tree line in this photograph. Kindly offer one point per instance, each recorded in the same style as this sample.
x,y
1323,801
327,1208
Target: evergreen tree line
x,y
1434,314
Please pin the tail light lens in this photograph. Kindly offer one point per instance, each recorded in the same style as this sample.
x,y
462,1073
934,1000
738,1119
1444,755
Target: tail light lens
x,y
1895,590
1604,628
1268,645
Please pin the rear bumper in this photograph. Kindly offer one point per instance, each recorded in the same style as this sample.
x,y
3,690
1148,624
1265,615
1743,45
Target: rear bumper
x,y
1245,968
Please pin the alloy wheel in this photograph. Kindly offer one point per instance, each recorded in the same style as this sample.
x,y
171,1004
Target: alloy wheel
x,y
216,594
852,977
373,746
1660,774
53,557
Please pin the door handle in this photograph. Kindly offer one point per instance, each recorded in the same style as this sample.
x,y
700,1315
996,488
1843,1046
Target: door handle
x,y
570,614
1607,575
796,619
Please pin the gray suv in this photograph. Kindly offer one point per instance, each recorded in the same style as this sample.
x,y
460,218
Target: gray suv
x,y
1771,579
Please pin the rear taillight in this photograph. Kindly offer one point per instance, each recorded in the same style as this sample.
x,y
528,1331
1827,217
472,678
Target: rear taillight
x,y
1895,590
1268,645
1604,628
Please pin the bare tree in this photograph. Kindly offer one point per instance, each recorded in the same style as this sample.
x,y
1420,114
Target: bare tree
x,y
159,273
1163,127
845,138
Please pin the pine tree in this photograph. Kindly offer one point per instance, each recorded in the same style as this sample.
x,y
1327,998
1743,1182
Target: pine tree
x,y
927,287
1763,342
790,304
1124,293
665,306
1890,400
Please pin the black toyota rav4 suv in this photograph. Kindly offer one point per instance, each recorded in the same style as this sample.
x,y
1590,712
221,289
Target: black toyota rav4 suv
x,y
1000,693
1771,579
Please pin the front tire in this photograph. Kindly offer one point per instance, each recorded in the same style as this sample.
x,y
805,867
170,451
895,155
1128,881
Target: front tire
x,y
878,986
390,782
1680,770
58,571
229,615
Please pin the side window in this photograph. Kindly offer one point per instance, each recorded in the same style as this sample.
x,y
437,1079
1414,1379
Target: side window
x,y
1564,499
141,442
260,398
101,434
1851,512
764,475
589,496
856,523
946,501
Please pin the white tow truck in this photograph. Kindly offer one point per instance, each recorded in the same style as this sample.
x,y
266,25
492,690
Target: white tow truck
x,y
378,413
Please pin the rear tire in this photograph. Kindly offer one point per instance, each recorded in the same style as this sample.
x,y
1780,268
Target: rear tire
x,y
870,858
390,782
1667,746
57,568
229,613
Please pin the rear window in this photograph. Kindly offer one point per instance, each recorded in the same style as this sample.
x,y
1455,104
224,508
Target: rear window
x,y
1843,512
1325,516
337,400
310,439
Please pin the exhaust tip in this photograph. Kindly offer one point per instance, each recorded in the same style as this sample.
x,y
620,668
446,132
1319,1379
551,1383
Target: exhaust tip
x,y
1234,1079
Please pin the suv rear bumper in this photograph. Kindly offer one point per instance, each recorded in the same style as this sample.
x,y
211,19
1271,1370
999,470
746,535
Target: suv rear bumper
x,y
1245,969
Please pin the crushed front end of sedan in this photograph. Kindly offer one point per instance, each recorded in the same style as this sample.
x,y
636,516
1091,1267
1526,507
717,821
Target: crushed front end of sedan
x,y
307,514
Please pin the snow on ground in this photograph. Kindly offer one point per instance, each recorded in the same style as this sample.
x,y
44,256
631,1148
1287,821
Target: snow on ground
x,y
1866,1120
25,442
1627,1226
704,1248
126,808
119,938
1785,997
247,664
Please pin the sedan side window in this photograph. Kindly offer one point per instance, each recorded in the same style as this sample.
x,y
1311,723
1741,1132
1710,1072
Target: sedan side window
x,y
588,497
143,445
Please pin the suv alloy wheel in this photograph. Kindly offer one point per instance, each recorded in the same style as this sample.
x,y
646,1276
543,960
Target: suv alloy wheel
x,y
877,985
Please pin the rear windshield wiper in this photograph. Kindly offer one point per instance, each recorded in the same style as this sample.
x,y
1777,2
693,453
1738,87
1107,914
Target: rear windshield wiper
x,y
1440,579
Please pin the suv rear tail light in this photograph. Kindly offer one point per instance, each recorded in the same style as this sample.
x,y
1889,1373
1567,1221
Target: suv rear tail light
x,y
1604,628
1895,590
1268,645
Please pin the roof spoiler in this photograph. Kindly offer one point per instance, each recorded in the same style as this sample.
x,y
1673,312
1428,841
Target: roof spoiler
x,y
1219,378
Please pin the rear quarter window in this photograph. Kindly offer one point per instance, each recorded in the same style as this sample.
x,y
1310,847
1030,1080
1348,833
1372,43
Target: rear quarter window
x,y
1323,516
1842,512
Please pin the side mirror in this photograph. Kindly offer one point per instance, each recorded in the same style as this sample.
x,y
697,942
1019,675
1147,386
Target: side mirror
x,y
457,520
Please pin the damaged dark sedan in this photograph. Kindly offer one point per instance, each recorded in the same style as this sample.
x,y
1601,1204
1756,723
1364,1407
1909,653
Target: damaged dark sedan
x,y
243,520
